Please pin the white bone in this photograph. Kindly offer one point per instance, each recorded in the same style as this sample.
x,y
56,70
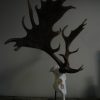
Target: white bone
x,y
59,81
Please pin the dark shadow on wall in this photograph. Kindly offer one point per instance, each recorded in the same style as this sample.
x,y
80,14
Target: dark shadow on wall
x,y
93,91
98,71
90,91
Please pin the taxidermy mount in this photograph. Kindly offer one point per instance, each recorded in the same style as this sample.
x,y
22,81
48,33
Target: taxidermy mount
x,y
40,36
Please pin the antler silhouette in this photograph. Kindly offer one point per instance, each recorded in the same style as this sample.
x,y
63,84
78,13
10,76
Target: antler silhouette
x,y
40,36
68,40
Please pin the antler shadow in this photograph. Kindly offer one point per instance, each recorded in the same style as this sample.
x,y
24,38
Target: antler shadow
x,y
40,36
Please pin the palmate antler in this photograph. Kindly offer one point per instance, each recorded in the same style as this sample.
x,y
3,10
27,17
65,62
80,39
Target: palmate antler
x,y
40,36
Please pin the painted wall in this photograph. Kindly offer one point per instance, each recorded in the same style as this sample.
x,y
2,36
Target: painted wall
x,y
26,72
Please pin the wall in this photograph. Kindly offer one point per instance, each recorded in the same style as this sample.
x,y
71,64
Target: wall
x,y
26,72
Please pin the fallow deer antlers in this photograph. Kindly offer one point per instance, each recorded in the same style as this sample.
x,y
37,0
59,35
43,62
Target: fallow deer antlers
x,y
40,36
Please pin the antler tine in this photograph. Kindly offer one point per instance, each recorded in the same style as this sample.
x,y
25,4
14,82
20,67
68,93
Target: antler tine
x,y
56,50
63,31
70,70
23,24
11,40
17,44
31,14
76,32
85,21
71,52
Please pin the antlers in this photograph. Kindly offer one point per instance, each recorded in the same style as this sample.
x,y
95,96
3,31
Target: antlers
x,y
68,40
40,36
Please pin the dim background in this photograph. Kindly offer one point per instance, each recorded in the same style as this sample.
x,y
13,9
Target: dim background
x,y
26,72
